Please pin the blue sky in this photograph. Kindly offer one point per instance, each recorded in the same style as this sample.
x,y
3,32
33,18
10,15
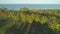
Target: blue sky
x,y
29,1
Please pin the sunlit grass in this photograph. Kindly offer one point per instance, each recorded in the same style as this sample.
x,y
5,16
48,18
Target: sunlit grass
x,y
19,18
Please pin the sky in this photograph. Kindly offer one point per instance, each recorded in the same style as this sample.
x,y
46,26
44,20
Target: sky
x,y
29,1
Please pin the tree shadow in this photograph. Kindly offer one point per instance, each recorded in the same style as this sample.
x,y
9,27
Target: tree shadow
x,y
3,22
23,29
38,29
12,30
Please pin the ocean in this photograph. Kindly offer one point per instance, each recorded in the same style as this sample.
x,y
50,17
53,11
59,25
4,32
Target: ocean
x,y
30,6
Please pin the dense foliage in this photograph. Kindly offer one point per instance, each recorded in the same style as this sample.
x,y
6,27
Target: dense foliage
x,y
25,21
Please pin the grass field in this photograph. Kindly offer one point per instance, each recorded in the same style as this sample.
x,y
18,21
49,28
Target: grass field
x,y
25,21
